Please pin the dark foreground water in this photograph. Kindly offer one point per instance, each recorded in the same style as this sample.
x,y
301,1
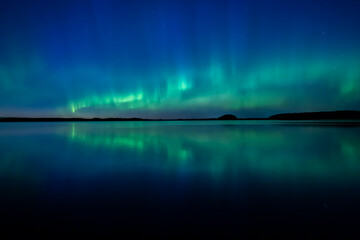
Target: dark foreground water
x,y
178,178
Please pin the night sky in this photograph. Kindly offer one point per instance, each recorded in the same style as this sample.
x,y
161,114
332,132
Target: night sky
x,y
170,59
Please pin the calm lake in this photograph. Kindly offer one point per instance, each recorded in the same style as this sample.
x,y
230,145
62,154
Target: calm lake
x,y
174,178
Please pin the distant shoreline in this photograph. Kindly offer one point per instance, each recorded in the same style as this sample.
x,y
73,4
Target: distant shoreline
x,y
328,115
116,119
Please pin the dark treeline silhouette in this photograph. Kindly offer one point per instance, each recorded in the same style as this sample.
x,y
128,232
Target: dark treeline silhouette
x,y
330,115
23,119
20,119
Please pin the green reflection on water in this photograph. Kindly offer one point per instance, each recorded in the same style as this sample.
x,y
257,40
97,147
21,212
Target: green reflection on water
x,y
222,149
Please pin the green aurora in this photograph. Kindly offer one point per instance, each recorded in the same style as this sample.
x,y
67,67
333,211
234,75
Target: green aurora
x,y
178,59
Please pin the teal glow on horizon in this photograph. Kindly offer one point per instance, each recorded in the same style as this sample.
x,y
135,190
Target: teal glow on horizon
x,y
171,59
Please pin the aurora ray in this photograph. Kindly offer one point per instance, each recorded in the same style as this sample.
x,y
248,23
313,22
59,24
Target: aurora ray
x,y
178,58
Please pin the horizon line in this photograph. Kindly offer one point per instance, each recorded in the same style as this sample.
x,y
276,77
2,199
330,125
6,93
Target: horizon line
x,y
320,115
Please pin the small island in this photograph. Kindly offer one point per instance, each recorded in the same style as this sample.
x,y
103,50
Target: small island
x,y
228,117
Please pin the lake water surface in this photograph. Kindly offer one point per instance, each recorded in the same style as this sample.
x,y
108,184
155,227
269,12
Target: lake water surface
x,y
175,178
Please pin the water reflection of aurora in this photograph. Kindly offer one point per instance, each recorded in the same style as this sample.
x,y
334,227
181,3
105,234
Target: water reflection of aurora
x,y
231,149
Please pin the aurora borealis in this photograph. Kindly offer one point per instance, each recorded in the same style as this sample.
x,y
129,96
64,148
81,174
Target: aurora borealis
x,y
170,59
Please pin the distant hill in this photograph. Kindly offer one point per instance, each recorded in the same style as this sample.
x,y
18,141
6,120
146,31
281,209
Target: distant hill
x,y
228,117
330,115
